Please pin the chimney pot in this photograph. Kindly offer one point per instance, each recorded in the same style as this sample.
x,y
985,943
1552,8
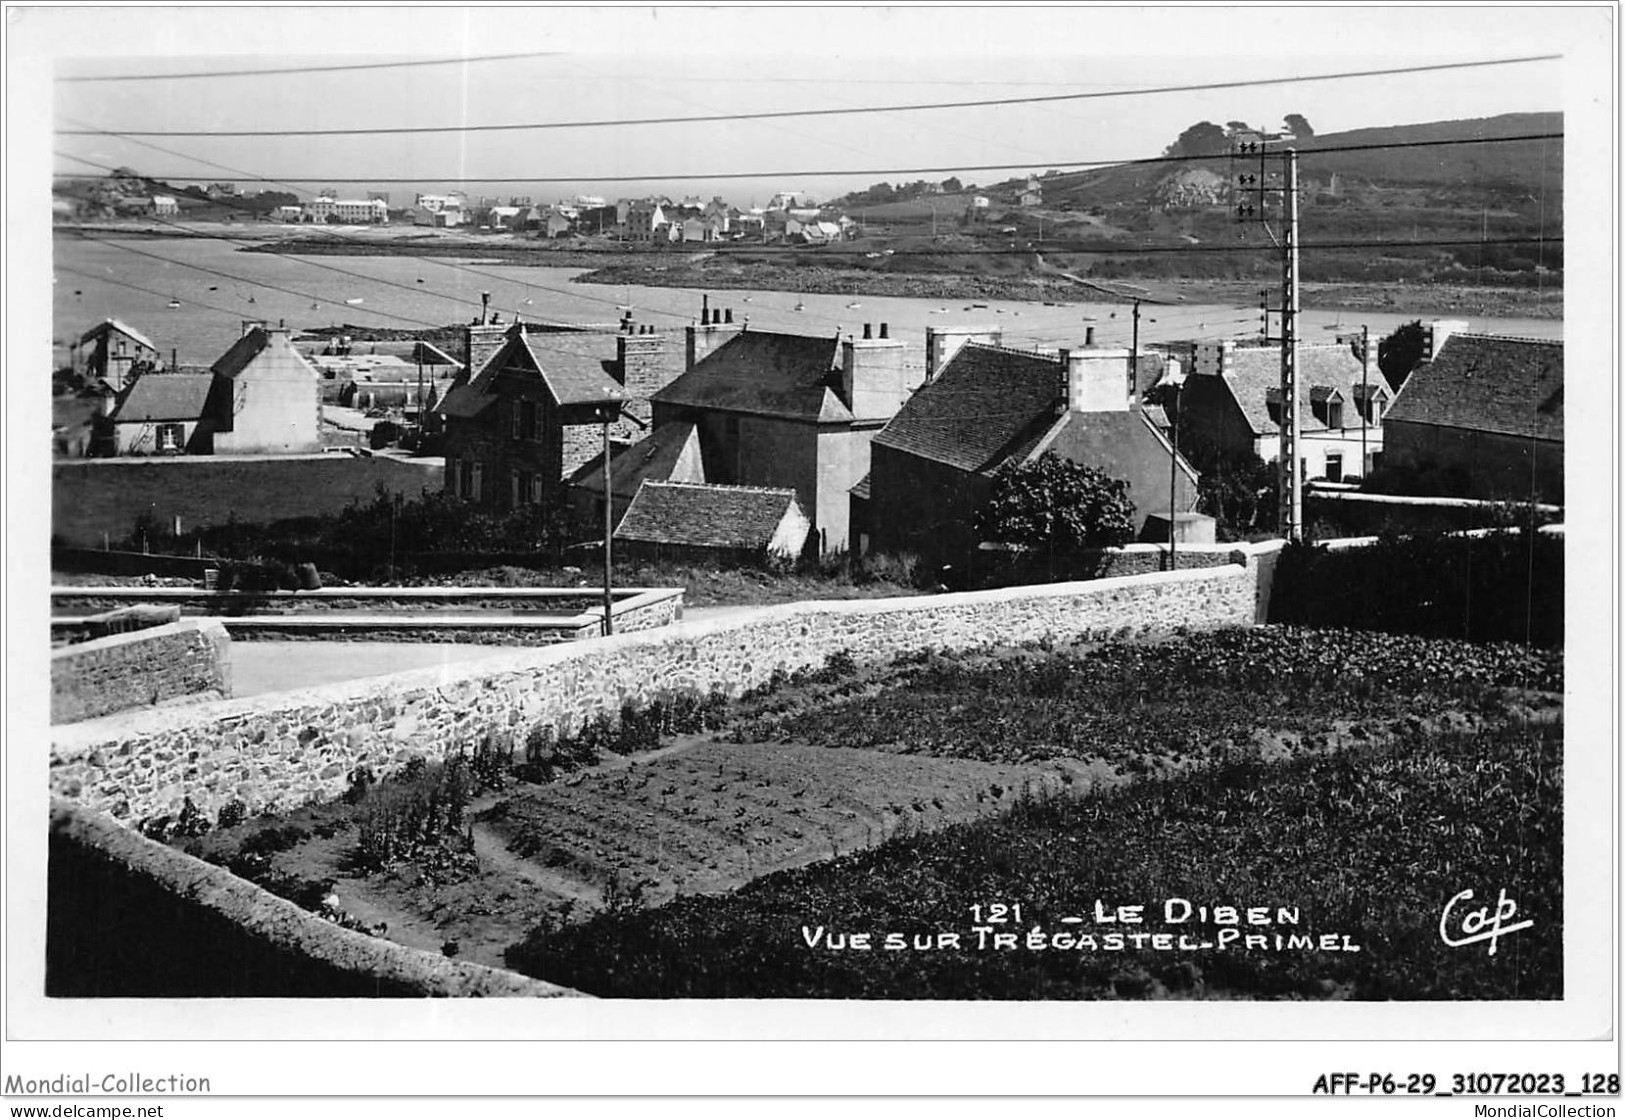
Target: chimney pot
x,y
728,315
868,331
884,330
1088,336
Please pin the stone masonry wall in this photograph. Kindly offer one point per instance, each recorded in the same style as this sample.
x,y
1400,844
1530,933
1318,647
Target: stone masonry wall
x,y
277,752
141,668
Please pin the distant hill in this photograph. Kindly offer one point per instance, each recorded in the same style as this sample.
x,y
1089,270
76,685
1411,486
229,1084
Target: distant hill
x,y
1465,171
1398,197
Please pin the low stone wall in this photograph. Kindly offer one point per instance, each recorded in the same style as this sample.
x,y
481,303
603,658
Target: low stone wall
x,y
144,667
1004,567
277,752
129,917
492,616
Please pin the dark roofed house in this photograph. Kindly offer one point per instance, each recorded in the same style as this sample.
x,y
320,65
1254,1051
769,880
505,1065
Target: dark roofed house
x,y
1232,402
933,466
668,454
529,413
162,414
788,411
1489,409
259,397
115,353
678,521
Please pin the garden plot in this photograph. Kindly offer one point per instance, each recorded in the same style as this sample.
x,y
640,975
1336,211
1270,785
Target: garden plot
x,y
712,817
694,797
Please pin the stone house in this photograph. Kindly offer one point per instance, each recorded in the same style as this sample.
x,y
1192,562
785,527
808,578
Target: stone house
x,y
783,411
1232,401
114,353
261,397
933,466
525,417
698,522
1488,407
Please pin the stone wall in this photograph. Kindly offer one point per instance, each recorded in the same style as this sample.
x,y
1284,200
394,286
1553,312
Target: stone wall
x,y
128,917
97,500
277,752
97,678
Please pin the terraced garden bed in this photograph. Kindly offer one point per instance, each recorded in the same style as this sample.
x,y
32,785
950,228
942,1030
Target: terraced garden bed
x,y
662,853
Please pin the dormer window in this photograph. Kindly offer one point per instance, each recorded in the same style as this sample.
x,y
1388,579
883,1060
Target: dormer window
x,y
1334,414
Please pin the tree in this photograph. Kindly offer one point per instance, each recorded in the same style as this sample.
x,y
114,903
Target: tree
x,y
1299,127
1057,505
1401,352
1201,139
952,186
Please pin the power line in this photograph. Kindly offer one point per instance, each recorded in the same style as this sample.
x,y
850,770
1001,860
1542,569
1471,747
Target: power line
x,y
1081,164
779,114
307,69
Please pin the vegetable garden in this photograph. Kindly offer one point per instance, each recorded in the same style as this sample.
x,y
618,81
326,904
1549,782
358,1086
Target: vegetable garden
x,y
709,848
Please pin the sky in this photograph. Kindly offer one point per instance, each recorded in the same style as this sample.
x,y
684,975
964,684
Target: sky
x,y
607,64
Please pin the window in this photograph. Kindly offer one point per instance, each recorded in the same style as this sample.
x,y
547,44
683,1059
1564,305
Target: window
x,y
518,430
529,422
1334,466
476,487
171,437
516,490
1334,414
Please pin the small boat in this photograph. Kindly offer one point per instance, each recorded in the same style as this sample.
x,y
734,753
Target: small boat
x,y
420,279
314,306
174,303
353,301
214,287
852,306
800,306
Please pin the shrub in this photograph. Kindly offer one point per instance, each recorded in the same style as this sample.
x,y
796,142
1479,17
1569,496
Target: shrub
x,y
232,814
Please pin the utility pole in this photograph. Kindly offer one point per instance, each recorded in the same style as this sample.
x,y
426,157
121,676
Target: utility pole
x,y
609,525
1254,189
1365,395
1291,472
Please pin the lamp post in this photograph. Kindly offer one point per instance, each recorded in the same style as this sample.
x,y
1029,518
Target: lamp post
x,y
1176,384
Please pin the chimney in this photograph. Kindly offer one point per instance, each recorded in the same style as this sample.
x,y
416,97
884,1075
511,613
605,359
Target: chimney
x,y
884,331
1212,359
1088,336
868,332
708,336
942,343
480,344
1096,378
485,308
642,369
1435,333
874,380
728,315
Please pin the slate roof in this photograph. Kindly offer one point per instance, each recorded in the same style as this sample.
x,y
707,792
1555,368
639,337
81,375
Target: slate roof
x,y
162,397
274,353
575,368
988,404
698,515
654,458
788,375
118,325
1123,444
1511,386
862,489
